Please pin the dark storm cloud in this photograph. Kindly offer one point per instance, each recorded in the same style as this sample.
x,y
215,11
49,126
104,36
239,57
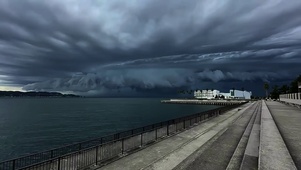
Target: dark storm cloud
x,y
85,45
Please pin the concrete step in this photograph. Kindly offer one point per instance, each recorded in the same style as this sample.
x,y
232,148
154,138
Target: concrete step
x,y
180,158
287,119
250,159
218,155
273,153
237,157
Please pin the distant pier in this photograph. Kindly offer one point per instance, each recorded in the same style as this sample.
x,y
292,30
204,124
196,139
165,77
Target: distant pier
x,y
204,102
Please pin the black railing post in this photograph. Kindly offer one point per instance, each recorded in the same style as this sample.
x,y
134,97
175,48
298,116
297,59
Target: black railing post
x,y
79,146
141,139
184,124
122,146
156,132
59,163
14,164
167,132
51,154
96,156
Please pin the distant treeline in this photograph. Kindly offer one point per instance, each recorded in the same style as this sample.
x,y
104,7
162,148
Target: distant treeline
x,y
284,89
34,94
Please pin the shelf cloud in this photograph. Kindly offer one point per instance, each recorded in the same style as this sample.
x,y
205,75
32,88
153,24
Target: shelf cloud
x,y
100,46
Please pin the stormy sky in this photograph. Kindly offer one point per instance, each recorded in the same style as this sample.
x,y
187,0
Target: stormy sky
x,y
148,47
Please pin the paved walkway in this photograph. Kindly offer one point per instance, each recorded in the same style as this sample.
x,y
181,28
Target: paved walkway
x,y
288,121
168,153
238,155
221,150
229,141
273,153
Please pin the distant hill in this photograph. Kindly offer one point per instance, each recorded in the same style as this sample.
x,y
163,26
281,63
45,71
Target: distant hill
x,y
34,94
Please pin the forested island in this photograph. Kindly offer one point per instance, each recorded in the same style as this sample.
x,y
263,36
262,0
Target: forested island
x,y
34,94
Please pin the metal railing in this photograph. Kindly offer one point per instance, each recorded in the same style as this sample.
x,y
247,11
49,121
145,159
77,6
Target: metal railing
x,y
104,149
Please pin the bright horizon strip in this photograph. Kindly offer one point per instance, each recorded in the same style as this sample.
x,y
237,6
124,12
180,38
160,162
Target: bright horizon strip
x,y
10,88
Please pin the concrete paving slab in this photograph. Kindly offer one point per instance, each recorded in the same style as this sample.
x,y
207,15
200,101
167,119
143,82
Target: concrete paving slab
x,y
238,155
250,159
273,153
220,152
287,119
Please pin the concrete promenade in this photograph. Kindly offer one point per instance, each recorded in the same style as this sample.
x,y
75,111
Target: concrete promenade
x,y
288,121
258,135
168,153
221,150
273,152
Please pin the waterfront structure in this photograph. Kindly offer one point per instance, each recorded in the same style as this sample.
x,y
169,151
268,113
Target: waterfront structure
x,y
215,94
206,94
238,94
291,99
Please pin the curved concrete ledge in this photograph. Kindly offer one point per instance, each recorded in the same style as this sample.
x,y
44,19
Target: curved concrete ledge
x,y
293,101
250,159
273,153
237,157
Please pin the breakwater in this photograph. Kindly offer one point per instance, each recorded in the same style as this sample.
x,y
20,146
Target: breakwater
x,y
203,102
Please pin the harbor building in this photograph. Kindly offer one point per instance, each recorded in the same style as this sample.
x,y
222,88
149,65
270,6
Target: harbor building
x,y
206,94
216,94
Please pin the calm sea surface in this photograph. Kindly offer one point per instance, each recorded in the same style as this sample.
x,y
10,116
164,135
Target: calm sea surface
x,y
30,125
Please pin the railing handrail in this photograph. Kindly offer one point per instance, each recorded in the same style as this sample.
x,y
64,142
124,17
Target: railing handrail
x,y
162,123
82,142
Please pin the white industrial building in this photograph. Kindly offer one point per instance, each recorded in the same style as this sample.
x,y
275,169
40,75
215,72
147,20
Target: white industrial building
x,y
213,94
206,94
